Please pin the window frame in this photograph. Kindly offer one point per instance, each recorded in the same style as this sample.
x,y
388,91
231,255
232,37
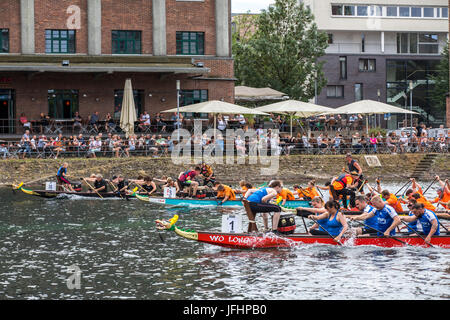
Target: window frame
x,y
366,62
335,96
115,41
198,41
2,39
60,39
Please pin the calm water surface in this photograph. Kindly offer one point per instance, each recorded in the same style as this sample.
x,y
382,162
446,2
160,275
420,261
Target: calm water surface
x,y
122,256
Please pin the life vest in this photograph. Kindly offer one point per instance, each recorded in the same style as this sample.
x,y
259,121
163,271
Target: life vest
x,y
188,174
207,171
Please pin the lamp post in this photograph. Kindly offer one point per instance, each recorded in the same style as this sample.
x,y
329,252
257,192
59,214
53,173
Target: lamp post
x,y
178,108
375,116
315,87
410,103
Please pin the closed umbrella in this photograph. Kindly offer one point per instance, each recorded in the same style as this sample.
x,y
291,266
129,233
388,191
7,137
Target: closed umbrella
x,y
128,115
295,108
215,107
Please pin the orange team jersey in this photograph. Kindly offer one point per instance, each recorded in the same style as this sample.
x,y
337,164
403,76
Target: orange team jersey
x,y
308,192
227,192
445,198
286,194
394,202
427,204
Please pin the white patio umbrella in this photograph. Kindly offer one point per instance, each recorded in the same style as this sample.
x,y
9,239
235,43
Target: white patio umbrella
x,y
128,114
368,107
215,107
295,108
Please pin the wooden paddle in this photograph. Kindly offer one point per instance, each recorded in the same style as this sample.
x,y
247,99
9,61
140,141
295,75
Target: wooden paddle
x,y
407,183
417,233
435,179
115,188
303,215
92,188
382,233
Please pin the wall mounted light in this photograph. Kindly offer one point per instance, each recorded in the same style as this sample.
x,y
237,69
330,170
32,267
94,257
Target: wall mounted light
x,y
97,99
163,99
84,95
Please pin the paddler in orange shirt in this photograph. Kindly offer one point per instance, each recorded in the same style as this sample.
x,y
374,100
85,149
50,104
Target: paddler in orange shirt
x,y
224,192
392,200
285,195
443,194
308,193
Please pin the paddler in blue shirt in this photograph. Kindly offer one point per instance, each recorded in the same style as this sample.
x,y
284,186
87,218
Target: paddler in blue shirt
x,y
362,205
258,202
427,219
333,221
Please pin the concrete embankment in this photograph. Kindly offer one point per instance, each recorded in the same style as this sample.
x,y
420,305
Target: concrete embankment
x,y
292,169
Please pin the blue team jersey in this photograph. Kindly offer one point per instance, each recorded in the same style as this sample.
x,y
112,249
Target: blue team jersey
x,y
258,195
385,217
334,227
371,222
61,170
424,223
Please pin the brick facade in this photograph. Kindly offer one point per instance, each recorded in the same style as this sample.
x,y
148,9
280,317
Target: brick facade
x,y
96,89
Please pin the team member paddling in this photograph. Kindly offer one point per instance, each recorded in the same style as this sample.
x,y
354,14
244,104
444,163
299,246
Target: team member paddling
x,y
308,193
368,216
387,218
149,185
100,184
333,221
224,192
185,179
285,194
443,193
258,202
61,176
424,219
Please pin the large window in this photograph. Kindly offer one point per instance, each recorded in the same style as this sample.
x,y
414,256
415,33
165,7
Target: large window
x,y
335,91
62,104
138,102
4,40
367,65
343,68
416,12
60,41
126,42
189,97
422,43
359,92
190,43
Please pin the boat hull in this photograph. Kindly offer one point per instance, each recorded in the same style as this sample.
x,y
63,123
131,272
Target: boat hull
x,y
265,241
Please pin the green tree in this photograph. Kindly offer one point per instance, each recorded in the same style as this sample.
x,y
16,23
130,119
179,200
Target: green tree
x,y
441,83
283,51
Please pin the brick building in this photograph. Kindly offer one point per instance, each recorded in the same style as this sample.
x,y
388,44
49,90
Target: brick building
x,y
61,56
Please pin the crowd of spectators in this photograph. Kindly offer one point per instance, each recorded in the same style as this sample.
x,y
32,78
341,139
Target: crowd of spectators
x,y
101,138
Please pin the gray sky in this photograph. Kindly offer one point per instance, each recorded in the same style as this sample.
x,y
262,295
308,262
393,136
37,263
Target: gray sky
x,y
241,6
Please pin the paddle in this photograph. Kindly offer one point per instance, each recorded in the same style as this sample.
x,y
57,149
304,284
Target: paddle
x,y
402,187
417,234
115,189
362,185
396,239
92,188
435,179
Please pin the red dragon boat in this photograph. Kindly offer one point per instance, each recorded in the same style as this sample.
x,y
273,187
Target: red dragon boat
x,y
268,240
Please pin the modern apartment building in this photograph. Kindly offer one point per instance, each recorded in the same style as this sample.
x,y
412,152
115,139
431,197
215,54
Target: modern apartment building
x,y
63,56
377,47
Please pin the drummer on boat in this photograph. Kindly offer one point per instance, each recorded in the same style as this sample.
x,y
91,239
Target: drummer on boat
x,y
423,221
61,176
332,222
257,201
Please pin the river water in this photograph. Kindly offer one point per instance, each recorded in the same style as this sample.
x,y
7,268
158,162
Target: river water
x,y
120,255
